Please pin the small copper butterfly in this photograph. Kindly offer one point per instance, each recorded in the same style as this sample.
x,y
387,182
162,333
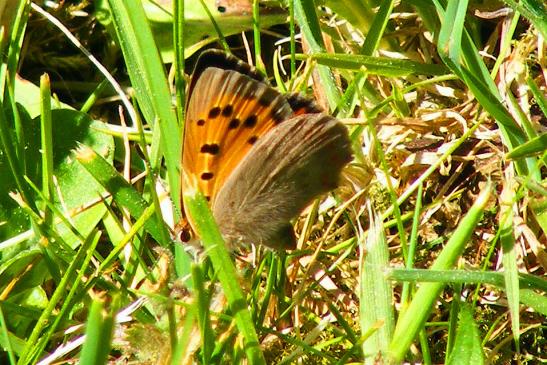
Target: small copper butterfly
x,y
259,157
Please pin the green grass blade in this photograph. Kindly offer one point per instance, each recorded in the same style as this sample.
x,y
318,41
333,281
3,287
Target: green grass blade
x,y
534,10
412,244
461,276
7,148
382,66
77,288
306,17
533,147
509,258
375,292
202,304
181,349
178,46
452,30
152,91
378,27
213,242
6,341
536,301
46,143
360,13
541,98
461,56
99,331
539,210
32,351
122,192
413,319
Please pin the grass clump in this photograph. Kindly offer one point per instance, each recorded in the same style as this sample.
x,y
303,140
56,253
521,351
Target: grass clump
x,y
432,249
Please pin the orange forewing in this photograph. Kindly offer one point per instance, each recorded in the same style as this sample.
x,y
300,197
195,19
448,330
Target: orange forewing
x,y
227,113
230,106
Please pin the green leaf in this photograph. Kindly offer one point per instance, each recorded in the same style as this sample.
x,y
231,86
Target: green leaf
x,y
14,271
123,193
199,30
509,258
536,301
534,10
74,189
467,345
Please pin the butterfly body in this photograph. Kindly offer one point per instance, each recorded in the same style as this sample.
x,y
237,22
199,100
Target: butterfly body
x,y
259,156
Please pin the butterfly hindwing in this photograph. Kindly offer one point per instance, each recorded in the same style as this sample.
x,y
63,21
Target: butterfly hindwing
x,y
283,172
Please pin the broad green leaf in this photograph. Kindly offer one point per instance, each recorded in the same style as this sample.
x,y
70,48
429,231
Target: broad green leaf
x,y
467,348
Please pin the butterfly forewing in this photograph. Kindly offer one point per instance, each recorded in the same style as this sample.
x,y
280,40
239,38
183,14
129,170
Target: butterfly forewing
x,y
219,59
302,105
227,113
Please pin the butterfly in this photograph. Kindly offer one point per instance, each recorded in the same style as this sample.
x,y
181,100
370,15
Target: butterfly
x,y
258,156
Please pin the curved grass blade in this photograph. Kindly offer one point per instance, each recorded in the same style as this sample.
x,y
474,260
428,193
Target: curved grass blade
x,y
415,316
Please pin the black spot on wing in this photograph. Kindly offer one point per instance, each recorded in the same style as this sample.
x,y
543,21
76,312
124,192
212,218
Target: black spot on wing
x,y
212,149
234,123
227,110
250,122
207,176
214,112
